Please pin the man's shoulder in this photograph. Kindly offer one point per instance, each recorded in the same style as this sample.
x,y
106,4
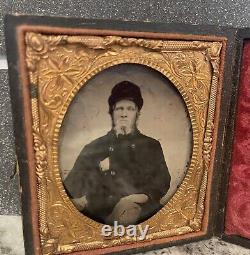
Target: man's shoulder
x,y
96,146
149,140
101,140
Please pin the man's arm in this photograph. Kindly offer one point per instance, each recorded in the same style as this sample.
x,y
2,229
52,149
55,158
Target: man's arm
x,y
159,184
75,182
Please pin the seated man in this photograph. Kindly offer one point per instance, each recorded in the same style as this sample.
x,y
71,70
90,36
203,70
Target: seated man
x,y
123,175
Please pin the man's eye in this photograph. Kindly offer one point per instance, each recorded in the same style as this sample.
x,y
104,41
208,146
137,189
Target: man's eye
x,y
118,109
131,108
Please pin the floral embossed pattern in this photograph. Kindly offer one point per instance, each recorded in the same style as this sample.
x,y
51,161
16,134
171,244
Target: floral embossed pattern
x,y
59,66
238,206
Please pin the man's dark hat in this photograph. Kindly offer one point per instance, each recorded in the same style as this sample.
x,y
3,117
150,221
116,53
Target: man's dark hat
x,y
125,90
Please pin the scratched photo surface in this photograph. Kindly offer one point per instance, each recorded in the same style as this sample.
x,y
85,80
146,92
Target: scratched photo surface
x,y
162,142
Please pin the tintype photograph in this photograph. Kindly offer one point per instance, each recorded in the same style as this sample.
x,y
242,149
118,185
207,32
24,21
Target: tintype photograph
x,y
125,144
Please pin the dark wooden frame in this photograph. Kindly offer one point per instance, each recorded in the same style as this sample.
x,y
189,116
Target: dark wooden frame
x,y
228,100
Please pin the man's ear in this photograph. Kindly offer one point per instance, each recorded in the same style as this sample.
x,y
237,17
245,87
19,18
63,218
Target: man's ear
x,y
138,114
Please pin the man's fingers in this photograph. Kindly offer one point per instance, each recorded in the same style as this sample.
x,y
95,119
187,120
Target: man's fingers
x,y
80,203
137,198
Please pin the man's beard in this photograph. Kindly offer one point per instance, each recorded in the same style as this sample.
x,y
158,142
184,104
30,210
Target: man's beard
x,y
124,129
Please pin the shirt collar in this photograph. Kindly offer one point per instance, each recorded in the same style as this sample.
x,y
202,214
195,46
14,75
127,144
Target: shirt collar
x,y
135,133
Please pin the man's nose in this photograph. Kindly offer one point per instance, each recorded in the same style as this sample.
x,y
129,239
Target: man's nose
x,y
124,114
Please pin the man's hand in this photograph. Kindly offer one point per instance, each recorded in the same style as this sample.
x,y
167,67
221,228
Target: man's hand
x,y
104,164
127,211
80,203
136,198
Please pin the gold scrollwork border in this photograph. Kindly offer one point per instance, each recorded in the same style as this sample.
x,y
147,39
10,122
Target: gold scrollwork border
x,y
58,67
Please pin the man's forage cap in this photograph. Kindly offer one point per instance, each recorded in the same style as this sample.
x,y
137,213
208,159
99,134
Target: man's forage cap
x,y
125,90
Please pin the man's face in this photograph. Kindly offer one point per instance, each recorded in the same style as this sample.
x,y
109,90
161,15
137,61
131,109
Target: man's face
x,y
124,116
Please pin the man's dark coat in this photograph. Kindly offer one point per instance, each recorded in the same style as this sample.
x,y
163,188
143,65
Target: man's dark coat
x,y
137,166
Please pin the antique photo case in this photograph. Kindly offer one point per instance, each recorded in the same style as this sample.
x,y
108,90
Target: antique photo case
x,y
122,123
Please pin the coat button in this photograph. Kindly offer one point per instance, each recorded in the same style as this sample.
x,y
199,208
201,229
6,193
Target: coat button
x,y
111,149
132,145
112,172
